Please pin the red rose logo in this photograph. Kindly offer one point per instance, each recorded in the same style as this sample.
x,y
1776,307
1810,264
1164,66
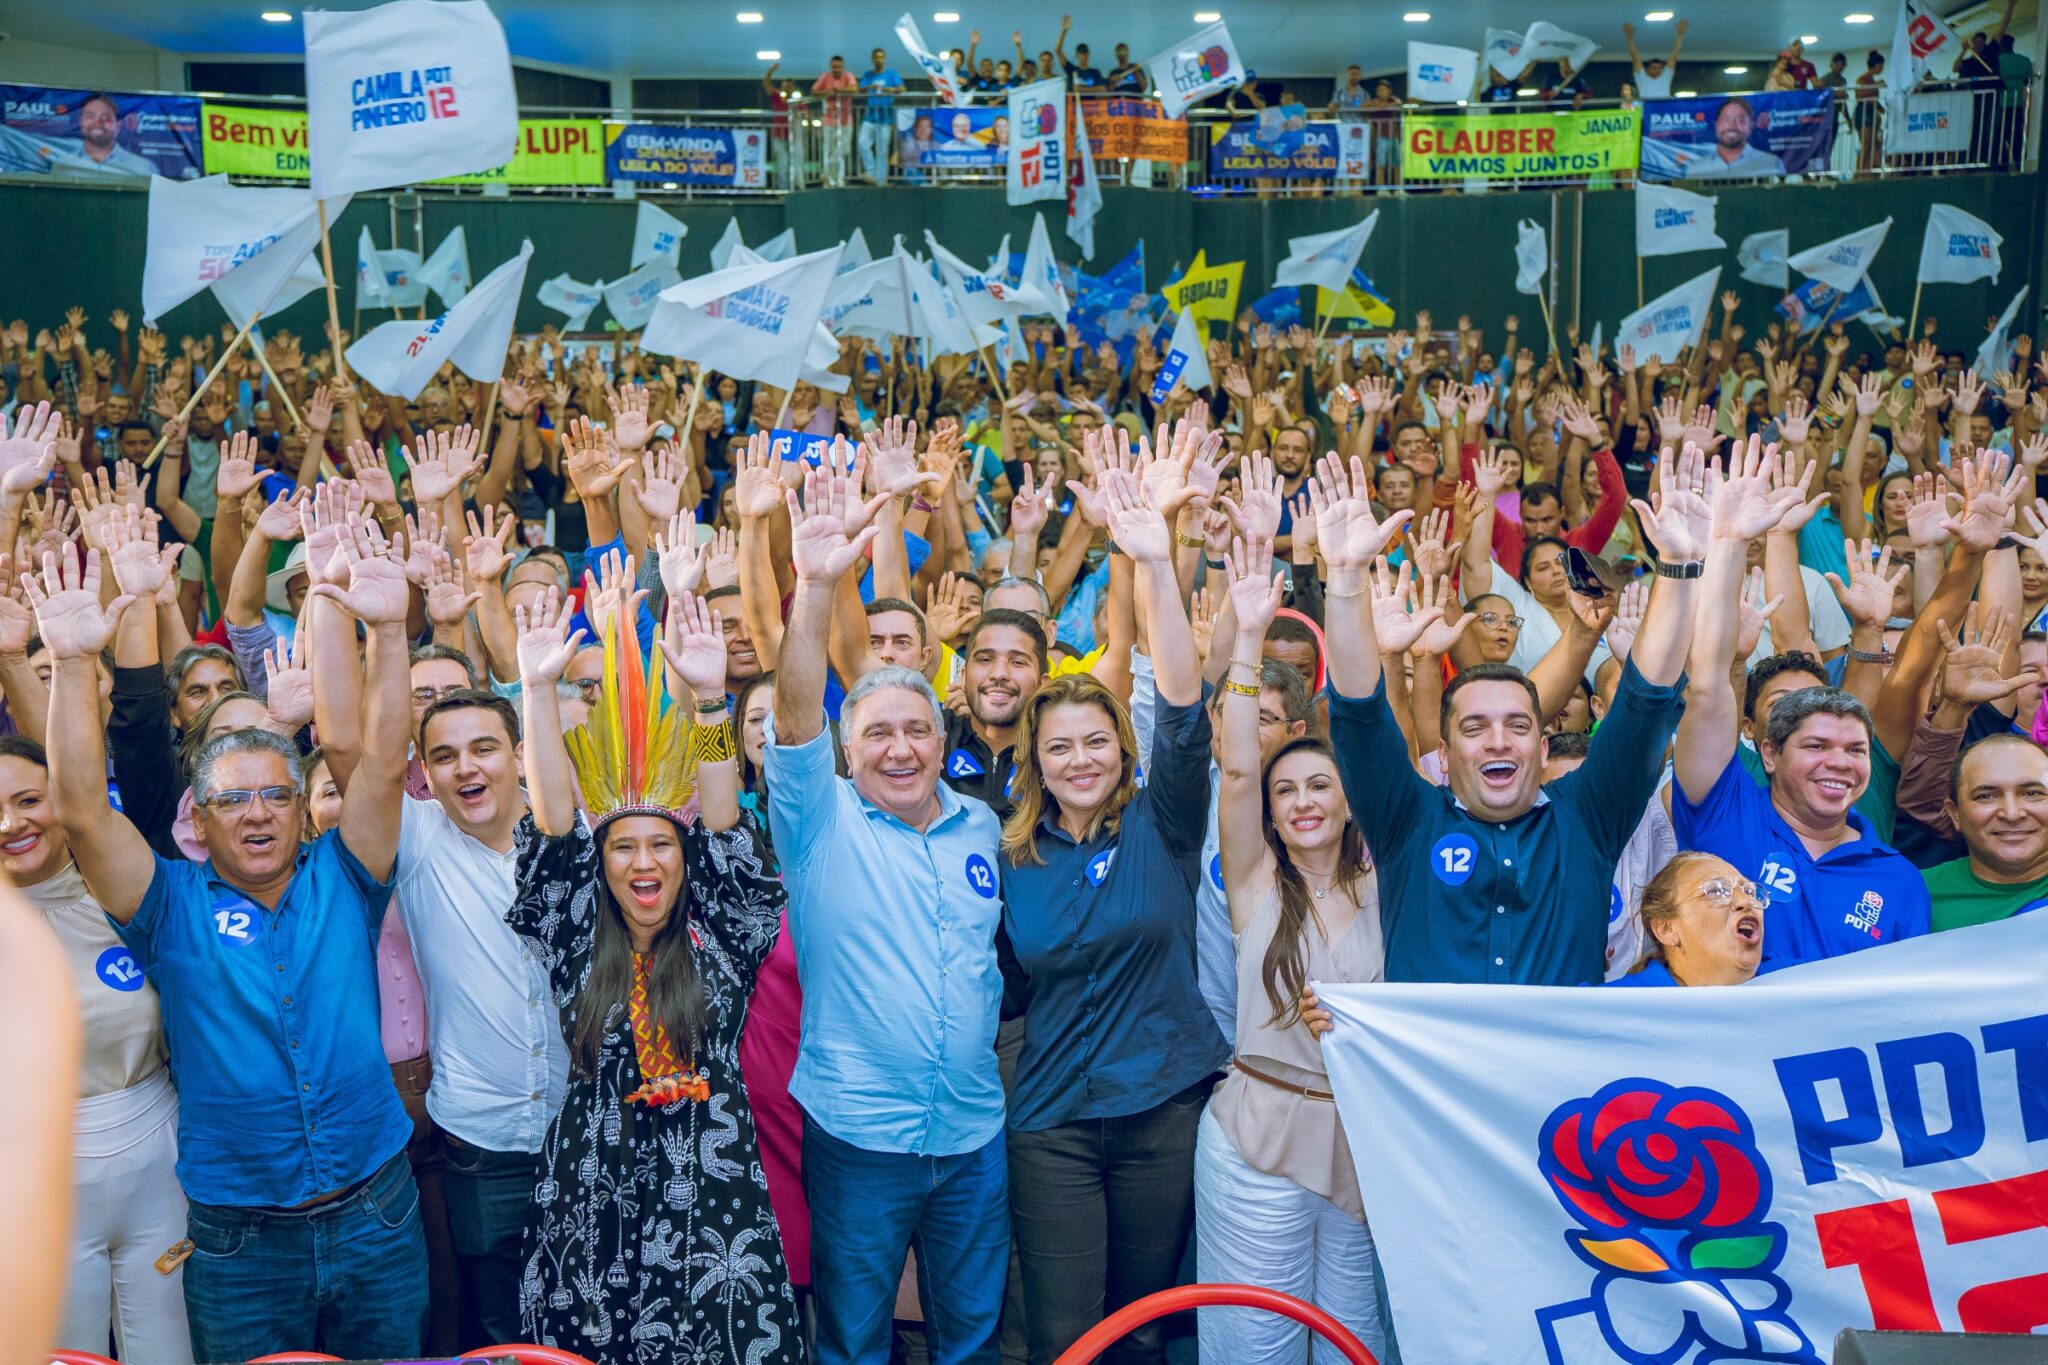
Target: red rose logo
x,y
1215,61
1642,1153
1048,119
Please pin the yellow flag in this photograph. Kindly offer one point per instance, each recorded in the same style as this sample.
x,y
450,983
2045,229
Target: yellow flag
x,y
1354,303
1208,291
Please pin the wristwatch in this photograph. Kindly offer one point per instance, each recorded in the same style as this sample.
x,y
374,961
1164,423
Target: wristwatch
x,y
1691,569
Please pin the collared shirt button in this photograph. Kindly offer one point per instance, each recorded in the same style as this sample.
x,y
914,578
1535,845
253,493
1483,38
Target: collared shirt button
x,y
535,1095
1507,862
1500,909
305,1086
1499,961
287,1000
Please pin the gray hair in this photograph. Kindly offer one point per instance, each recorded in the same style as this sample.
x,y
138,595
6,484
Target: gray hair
x,y
894,675
1013,581
242,742
1788,711
186,659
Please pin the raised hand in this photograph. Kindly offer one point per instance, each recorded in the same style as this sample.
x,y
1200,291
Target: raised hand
x,y
1682,521
1925,518
680,557
661,485
1395,626
1134,523
1491,472
722,562
1030,507
485,550
440,462
1867,596
140,566
323,519
1991,489
1346,531
422,535
28,452
1255,590
1428,545
756,490
825,535
1628,618
288,693
629,417
698,653
66,602
946,608
447,603
1752,613
376,591
369,468
280,518
1257,508
1796,421
545,645
1973,671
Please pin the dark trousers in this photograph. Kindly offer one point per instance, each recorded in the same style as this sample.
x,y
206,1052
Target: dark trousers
x,y
490,1198
868,1209
427,1155
1102,1210
347,1277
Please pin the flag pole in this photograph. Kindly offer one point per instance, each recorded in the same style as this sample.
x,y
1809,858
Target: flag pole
x,y
199,390
333,309
1544,304
1914,324
490,412
277,386
995,375
690,413
1639,283
783,411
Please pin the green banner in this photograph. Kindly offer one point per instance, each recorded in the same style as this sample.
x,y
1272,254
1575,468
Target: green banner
x,y
1565,145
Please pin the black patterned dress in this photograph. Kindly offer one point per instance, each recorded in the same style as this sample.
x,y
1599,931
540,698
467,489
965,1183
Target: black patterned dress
x,y
652,1240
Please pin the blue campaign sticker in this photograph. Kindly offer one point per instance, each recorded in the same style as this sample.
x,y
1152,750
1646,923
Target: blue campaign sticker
x,y
1098,866
1453,859
117,970
981,876
1613,904
235,919
1216,871
960,763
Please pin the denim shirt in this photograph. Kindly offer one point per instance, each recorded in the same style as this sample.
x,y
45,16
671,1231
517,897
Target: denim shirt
x,y
1104,937
271,1017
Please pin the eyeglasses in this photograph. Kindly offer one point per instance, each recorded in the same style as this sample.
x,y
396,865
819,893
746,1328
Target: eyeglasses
x,y
1494,618
589,687
1720,891
427,696
238,799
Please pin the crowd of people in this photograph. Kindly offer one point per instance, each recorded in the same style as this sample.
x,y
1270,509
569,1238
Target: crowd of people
x,y
537,864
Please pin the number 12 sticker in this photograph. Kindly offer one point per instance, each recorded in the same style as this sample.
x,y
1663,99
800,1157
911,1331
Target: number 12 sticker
x,y
1453,859
981,876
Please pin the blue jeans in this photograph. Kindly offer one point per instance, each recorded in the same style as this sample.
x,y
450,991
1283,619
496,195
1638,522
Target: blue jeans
x,y
868,1208
874,150
348,1277
490,1199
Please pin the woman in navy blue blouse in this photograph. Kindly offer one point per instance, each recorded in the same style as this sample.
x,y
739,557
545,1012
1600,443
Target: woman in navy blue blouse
x,y
1098,892
1703,925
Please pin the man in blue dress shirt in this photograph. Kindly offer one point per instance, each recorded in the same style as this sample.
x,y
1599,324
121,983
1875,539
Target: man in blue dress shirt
x,y
304,1221
894,902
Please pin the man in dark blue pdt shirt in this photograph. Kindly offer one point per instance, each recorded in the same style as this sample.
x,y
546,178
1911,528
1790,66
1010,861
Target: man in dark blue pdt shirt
x,y
304,1221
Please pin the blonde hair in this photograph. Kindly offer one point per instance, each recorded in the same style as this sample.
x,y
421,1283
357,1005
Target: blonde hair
x,y
1020,831
1660,903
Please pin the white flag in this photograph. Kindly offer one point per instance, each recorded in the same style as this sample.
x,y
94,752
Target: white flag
x,y
721,250
780,247
631,298
1039,289
1546,42
819,358
1441,75
873,300
403,287
1996,352
1195,68
1845,260
402,357
572,298
371,289
1326,259
1532,257
243,242
1191,347
1762,258
1670,221
236,294
937,67
940,323
1959,248
1670,322
984,297
754,321
657,233
446,271
1084,191
1922,42
1037,164
856,253
999,259
409,91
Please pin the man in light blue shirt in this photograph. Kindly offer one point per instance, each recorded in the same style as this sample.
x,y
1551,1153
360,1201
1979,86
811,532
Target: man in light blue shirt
x,y
878,119
893,905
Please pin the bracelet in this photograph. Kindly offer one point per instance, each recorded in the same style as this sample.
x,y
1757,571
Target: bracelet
x,y
1192,542
2006,543
1865,656
1112,547
1667,569
712,708
1240,689
918,504
712,743
1214,563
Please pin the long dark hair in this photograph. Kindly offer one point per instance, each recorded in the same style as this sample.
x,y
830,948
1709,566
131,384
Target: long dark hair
x,y
675,993
1285,970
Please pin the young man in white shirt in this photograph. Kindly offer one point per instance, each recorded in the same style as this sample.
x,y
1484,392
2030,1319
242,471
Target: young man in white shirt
x,y
499,1064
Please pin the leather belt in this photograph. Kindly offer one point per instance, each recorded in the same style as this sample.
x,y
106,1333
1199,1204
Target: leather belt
x,y
1289,1086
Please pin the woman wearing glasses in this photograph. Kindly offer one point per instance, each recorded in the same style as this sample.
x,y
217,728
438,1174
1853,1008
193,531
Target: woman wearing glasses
x,y
1703,925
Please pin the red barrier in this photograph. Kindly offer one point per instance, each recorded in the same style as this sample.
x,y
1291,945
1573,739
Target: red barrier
x,y
283,1356
78,1358
1110,1329
527,1354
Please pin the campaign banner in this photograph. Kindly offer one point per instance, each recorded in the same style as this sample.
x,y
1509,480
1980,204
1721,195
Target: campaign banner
x,y
1235,150
784,444
1537,146
974,136
728,158
1138,130
1738,137
272,143
1354,149
91,134
1931,122
1681,1175
1816,302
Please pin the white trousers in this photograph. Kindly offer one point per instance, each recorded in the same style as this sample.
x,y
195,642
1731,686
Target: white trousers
x,y
129,1211
838,148
1265,1230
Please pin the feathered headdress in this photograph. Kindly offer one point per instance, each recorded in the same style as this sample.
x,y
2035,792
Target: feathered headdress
x,y
631,756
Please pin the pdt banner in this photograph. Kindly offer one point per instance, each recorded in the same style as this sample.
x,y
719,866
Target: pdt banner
x,y
972,136
93,135
729,158
1579,1176
1561,146
1738,137
1235,149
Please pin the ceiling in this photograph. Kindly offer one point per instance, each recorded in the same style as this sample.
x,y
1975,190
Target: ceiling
x,y
699,38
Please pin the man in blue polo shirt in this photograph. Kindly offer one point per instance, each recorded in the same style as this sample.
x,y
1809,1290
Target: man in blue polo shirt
x,y
304,1221
878,119
1835,886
